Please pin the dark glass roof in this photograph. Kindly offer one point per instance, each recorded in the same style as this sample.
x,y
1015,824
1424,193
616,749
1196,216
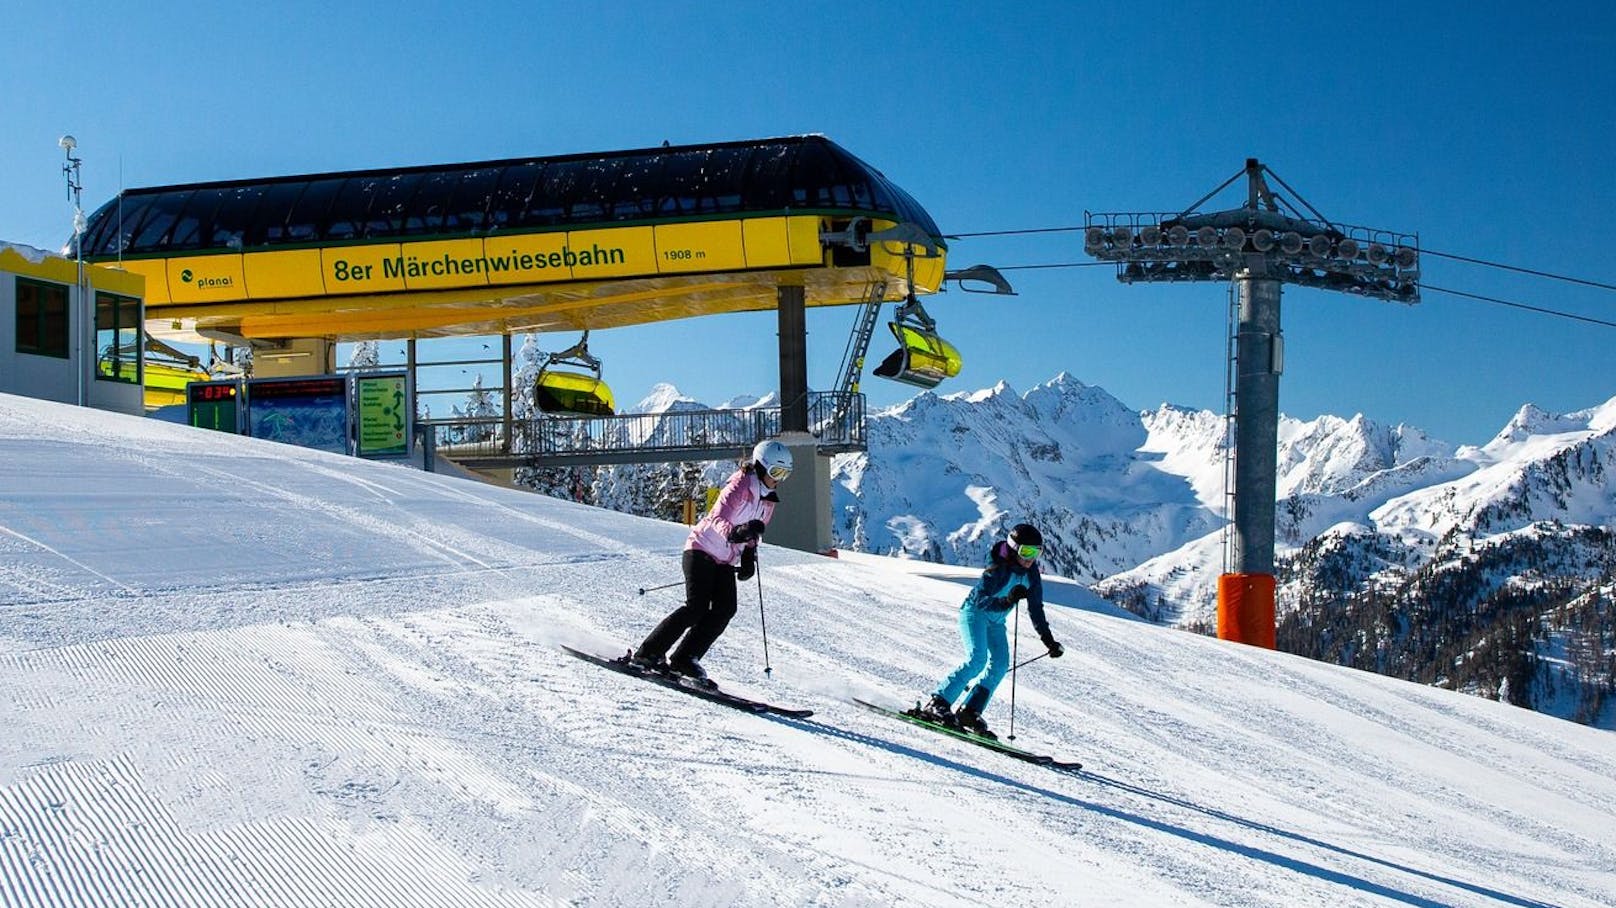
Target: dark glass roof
x,y
687,182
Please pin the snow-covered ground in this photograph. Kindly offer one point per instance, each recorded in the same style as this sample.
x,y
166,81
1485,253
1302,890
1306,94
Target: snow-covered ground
x,y
234,673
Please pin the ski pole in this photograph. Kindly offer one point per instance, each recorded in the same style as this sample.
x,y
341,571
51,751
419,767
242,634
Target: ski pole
x,y
644,590
764,621
1030,661
1015,647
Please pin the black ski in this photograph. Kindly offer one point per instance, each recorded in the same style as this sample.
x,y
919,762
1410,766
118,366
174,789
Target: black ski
x,y
1008,750
623,666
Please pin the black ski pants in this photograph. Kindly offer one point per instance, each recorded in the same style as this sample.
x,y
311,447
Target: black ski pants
x,y
709,606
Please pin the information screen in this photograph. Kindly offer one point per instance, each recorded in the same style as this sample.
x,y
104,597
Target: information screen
x,y
214,405
310,412
384,414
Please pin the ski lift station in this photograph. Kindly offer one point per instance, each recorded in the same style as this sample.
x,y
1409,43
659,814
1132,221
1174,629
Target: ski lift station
x,y
290,266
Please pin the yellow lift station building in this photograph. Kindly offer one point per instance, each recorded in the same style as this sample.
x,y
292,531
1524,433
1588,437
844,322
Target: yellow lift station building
x,y
570,242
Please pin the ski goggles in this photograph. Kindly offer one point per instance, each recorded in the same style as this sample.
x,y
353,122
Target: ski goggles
x,y
778,472
1029,552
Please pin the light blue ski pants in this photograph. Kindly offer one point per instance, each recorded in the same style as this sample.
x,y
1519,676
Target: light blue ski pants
x,y
987,657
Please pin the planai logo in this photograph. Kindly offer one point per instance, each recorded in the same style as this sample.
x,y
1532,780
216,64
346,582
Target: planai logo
x,y
188,277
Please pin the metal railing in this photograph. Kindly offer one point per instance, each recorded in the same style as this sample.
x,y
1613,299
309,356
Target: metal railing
x,y
835,420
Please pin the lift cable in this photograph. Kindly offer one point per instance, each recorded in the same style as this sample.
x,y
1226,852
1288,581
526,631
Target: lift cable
x,y
961,236
1558,277
1054,265
1494,299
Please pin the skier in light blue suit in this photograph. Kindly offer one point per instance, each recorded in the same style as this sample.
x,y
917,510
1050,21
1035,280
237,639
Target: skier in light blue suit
x,y
1011,575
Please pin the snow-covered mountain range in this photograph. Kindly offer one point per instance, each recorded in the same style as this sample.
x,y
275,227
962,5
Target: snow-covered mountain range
x,y
945,475
1134,504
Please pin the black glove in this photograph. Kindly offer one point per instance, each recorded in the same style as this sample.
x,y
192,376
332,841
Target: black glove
x,y
751,531
1054,647
1017,594
748,564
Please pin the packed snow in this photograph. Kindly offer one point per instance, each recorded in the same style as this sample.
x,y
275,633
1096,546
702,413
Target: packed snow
x,y
236,673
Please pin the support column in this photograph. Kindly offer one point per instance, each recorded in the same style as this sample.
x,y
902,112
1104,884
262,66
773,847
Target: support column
x,y
792,310
802,521
1246,597
507,445
415,387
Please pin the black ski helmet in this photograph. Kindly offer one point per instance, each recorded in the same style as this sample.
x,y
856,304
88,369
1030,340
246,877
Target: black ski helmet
x,y
1026,534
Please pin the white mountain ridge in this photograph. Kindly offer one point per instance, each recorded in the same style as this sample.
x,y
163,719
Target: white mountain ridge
x,y
1141,494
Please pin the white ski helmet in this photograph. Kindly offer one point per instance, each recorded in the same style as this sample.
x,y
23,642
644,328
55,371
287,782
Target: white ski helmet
x,y
772,458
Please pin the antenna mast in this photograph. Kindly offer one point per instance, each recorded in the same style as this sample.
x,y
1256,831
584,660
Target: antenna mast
x,y
75,192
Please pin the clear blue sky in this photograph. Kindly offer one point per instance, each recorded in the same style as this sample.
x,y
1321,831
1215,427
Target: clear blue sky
x,y
1487,128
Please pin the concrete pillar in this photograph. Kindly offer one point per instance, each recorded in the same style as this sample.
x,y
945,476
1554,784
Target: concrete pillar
x,y
802,520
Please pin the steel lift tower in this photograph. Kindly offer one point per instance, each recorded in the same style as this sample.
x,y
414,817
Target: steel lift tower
x,y
1259,247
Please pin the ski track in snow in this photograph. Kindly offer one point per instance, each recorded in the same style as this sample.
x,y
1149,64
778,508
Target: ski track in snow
x,y
444,678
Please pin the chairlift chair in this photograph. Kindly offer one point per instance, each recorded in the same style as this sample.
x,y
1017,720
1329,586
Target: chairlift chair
x,y
165,383
166,372
923,358
573,393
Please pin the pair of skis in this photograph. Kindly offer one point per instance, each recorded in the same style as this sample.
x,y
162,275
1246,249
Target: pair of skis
x,y
622,665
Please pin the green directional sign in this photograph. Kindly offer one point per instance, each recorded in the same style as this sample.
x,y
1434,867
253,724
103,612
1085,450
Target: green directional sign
x,y
384,415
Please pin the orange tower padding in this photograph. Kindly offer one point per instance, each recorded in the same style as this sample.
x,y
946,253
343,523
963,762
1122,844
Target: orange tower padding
x,y
1246,609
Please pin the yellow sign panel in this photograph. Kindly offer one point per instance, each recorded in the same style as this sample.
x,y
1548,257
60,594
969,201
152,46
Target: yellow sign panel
x,y
445,263
295,272
278,293
362,269
702,246
528,258
532,258
614,252
205,278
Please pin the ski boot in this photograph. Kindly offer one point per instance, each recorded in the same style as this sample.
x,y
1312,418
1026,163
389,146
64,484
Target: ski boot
x,y
936,710
691,672
648,663
970,721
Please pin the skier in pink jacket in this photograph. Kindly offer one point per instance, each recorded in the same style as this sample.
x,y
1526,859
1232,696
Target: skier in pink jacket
x,y
725,537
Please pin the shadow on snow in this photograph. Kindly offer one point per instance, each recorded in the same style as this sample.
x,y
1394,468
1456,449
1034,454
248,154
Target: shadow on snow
x,y
1295,865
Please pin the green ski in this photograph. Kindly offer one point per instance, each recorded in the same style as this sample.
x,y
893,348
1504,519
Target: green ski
x,y
1008,750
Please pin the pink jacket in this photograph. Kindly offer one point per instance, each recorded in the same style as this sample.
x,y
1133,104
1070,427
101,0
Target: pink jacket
x,y
740,501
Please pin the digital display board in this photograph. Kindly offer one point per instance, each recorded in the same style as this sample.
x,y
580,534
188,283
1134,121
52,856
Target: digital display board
x,y
383,402
311,412
214,405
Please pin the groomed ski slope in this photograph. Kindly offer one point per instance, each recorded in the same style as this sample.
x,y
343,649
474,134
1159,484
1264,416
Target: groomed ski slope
x,y
234,673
